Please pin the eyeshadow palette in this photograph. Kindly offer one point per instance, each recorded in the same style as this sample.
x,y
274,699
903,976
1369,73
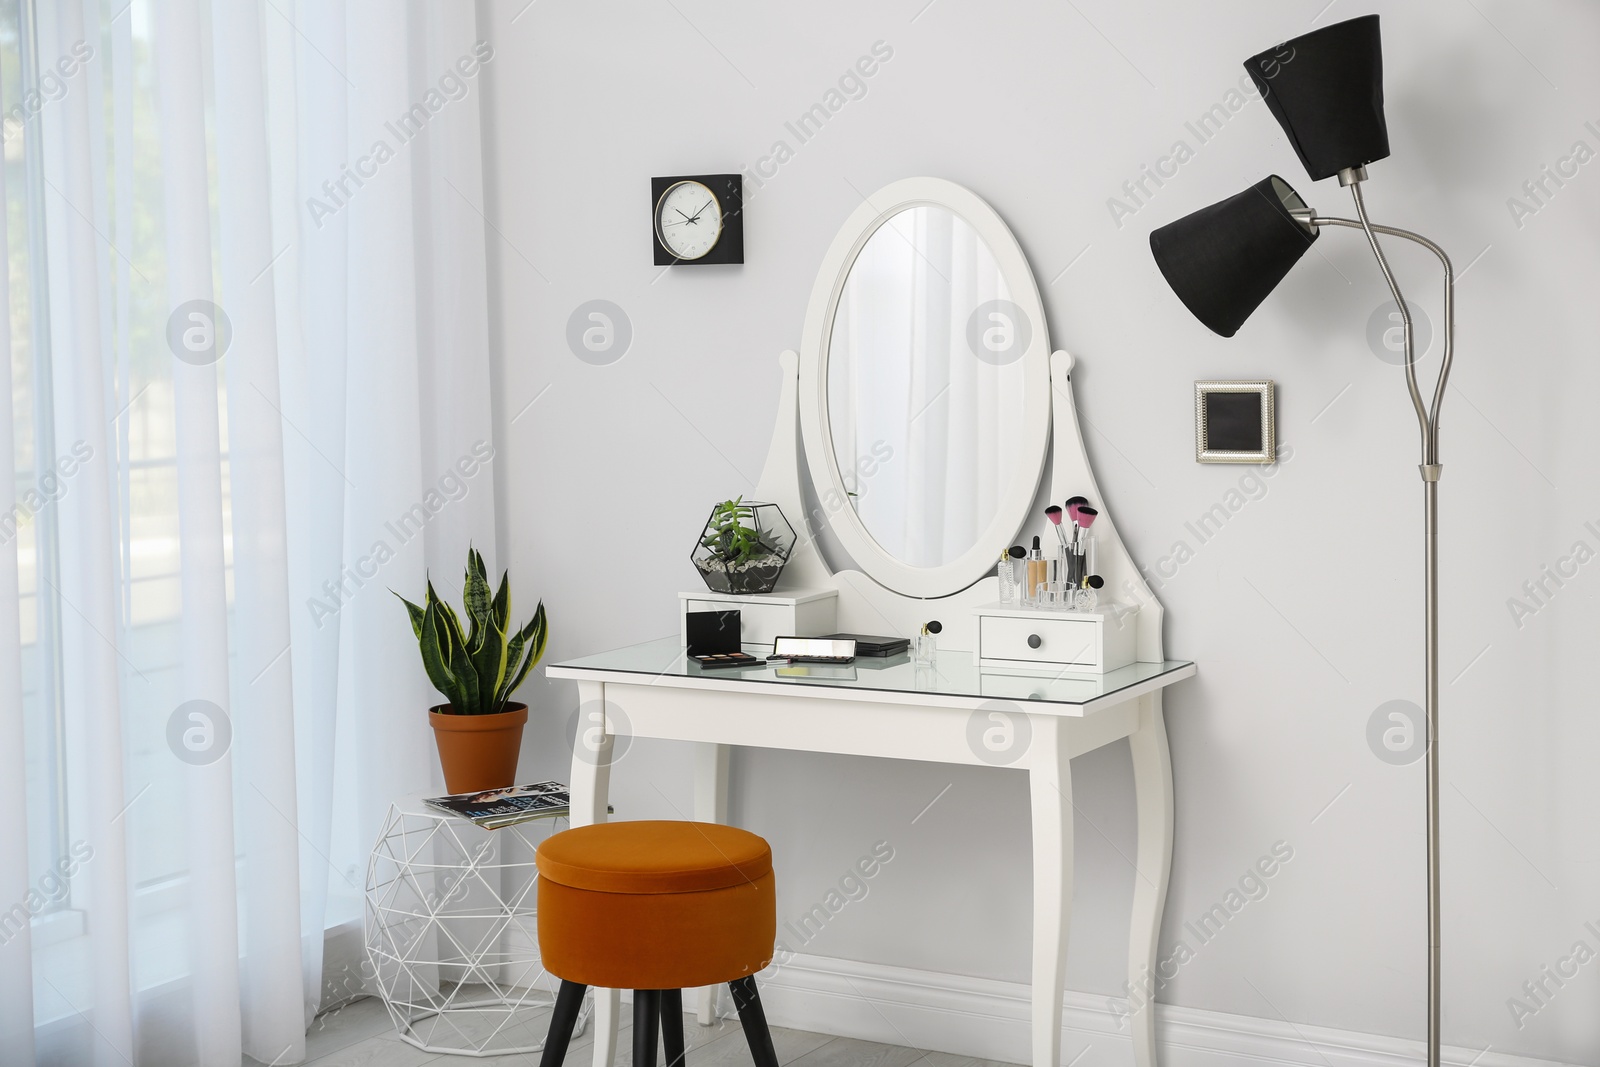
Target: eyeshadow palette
x,y
706,632
718,660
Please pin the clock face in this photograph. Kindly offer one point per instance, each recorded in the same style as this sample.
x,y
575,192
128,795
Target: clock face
x,y
688,220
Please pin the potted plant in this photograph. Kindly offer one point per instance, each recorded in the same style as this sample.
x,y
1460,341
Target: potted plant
x,y
479,732
743,547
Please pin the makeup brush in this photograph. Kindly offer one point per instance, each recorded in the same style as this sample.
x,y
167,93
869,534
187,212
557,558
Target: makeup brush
x,y
1053,513
1073,504
1083,545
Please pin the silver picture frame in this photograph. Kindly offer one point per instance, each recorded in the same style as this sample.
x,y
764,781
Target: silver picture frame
x,y
1217,439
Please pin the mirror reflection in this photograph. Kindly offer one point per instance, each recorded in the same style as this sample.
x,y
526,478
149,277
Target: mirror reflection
x,y
925,385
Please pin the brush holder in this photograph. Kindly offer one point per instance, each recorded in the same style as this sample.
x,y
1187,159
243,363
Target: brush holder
x,y
1075,566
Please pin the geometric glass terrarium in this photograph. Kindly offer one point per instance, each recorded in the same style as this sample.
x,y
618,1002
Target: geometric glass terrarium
x,y
743,547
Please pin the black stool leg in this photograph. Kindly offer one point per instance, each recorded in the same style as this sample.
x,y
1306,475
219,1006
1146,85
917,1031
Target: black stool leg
x,y
672,1026
646,1019
754,1020
569,1002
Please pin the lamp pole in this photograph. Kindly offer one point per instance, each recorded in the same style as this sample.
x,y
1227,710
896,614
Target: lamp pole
x,y
1431,468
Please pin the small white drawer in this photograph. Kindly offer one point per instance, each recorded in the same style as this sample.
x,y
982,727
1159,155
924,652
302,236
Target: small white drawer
x,y
1043,640
764,616
1089,642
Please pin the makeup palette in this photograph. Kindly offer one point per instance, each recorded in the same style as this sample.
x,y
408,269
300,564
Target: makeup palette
x,y
719,660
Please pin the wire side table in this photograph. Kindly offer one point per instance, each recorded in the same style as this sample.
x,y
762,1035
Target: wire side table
x,y
451,934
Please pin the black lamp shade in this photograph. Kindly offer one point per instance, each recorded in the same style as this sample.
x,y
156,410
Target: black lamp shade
x,y
1326,91
1223,260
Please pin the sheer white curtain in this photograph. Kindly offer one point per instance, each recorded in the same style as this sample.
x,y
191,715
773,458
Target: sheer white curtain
x,y
923,428
250,393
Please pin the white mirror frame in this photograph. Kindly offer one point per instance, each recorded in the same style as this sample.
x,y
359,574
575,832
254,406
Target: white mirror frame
x,y
1018,494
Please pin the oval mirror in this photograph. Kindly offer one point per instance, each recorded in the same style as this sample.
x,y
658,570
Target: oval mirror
x,y
925,392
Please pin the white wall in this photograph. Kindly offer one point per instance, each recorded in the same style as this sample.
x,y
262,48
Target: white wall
x,y
1304,612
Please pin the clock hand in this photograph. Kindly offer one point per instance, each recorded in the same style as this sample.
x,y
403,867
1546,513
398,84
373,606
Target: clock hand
x,y
702,208
686,218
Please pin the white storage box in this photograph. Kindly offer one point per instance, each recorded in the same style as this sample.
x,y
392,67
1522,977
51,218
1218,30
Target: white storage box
x,y
764,616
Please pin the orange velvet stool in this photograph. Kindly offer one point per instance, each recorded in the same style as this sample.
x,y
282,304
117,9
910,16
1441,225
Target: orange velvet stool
x,y
656,907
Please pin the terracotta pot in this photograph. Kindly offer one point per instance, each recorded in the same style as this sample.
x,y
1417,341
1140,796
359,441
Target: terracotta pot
x,y
478,752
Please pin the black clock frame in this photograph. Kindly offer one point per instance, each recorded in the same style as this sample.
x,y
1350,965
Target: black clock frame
x,y
729,191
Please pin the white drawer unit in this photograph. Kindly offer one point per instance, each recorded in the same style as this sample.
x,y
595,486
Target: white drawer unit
x,y
1080,642
764,616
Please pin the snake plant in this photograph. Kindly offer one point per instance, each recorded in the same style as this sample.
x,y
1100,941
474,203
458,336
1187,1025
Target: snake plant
x,y
479,670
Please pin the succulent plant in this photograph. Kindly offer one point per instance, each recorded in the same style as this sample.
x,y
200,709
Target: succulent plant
x,y
477,671
728,540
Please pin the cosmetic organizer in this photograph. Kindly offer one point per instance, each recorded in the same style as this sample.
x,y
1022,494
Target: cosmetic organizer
x,y
1076,642
765,616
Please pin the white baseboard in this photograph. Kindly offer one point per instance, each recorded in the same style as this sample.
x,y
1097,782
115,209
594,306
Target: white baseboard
x,y
989,1020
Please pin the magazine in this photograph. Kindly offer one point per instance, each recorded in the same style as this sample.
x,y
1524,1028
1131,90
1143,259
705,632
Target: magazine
x,y
494,808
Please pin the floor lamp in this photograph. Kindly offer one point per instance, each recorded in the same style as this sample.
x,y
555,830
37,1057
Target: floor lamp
x,y
1326,91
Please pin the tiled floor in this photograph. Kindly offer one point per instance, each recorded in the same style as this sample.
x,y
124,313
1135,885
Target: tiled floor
x,y
360,1035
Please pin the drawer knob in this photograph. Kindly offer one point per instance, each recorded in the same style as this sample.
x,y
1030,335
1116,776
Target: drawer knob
x,y
1034,641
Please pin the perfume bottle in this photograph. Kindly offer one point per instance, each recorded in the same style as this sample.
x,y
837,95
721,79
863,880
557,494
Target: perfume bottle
x,y
1006,571
1087,596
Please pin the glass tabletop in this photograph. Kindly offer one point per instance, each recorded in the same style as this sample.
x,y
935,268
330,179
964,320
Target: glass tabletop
x,y
953,674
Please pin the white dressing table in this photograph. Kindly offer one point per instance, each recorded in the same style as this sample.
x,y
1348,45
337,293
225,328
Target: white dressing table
x,y
950,713
927,441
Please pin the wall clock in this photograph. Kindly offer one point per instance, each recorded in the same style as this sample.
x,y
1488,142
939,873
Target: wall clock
x,y
697,219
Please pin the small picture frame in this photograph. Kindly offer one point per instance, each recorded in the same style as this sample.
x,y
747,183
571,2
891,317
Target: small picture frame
x,y
1235,422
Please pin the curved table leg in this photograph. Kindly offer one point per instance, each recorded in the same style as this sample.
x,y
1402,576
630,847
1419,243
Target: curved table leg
x,y
1050,785
591,797
607,1006
710,805
1152,785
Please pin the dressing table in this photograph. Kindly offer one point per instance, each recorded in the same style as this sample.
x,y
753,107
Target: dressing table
x,y
928,403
